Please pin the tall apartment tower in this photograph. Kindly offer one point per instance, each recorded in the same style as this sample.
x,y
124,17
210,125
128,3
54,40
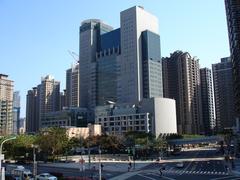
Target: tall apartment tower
x,y
233,20
6,105
223,93
16,112
181,81
32,110
207,101
90,32
49,96
63,100
72,86
138,26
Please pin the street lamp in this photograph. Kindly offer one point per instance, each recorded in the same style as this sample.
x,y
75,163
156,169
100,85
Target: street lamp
x,y
100,165
34,160
2,170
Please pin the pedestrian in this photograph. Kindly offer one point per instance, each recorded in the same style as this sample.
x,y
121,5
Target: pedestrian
x,y
102,166
160,171
129,166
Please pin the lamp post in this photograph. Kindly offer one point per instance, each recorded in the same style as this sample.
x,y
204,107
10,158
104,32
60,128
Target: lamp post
x,y
2,170
34,160
100,165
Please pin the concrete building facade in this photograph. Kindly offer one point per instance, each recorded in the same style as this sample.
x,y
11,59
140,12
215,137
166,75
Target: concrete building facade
x,y
6,105
134,21
72,86
49,97
153,115
181,81
207,101
223,93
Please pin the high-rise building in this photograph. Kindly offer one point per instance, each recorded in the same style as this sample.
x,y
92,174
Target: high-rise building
x,y
223,93
181,81
207,101
107,67
6,105
49,96
233,20
32,110
72,86
121,65
63,100
90,32
139,35
16,112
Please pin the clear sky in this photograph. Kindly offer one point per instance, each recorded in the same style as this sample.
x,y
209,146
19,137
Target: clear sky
x,y
35,35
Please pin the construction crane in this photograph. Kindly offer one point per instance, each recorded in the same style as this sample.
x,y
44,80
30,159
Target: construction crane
x,y
74,55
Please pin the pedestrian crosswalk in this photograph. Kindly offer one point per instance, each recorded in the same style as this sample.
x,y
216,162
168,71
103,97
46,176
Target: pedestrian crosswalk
x,y
177,171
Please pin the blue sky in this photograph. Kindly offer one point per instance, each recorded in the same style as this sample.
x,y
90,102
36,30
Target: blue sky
x,y
35,35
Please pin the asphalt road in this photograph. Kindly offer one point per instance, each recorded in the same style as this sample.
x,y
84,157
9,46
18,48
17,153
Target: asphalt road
x,y
193,168
198,165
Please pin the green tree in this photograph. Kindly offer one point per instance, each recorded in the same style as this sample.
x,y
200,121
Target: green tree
x,y
53,141
21,148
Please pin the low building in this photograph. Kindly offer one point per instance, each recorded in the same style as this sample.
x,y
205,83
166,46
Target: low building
x,y
153,115
77,117
84,132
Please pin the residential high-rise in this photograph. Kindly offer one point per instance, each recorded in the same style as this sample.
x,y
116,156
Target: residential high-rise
x,y
63,100
32,110
223,93
207,101
121,65
6,105
181,81
16,112
72,86
49,97
233,20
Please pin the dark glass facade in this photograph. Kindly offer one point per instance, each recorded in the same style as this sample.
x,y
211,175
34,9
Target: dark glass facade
x,y
107,79
110,39
233,20
152,68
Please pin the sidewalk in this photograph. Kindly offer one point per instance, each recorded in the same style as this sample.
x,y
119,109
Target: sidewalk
x,y
117,166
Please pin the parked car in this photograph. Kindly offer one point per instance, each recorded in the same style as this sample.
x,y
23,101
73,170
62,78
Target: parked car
x,y
180,165
45,176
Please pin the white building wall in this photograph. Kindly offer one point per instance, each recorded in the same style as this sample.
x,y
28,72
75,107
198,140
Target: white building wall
x,y
165,116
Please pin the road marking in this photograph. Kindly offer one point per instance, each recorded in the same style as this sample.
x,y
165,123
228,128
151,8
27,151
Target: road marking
x,y
146,177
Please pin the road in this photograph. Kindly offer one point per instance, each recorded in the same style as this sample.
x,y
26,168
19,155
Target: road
x,y
198,165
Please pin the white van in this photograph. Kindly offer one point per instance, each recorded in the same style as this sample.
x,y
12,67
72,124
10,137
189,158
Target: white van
x,y
22,173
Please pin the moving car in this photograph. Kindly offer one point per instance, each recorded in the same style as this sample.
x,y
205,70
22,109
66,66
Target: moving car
x,y
45,176
180,165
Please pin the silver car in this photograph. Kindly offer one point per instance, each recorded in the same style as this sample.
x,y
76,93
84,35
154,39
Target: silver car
x,y
45,176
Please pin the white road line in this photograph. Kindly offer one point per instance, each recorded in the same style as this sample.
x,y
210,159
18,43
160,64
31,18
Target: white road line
x,y
146,177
